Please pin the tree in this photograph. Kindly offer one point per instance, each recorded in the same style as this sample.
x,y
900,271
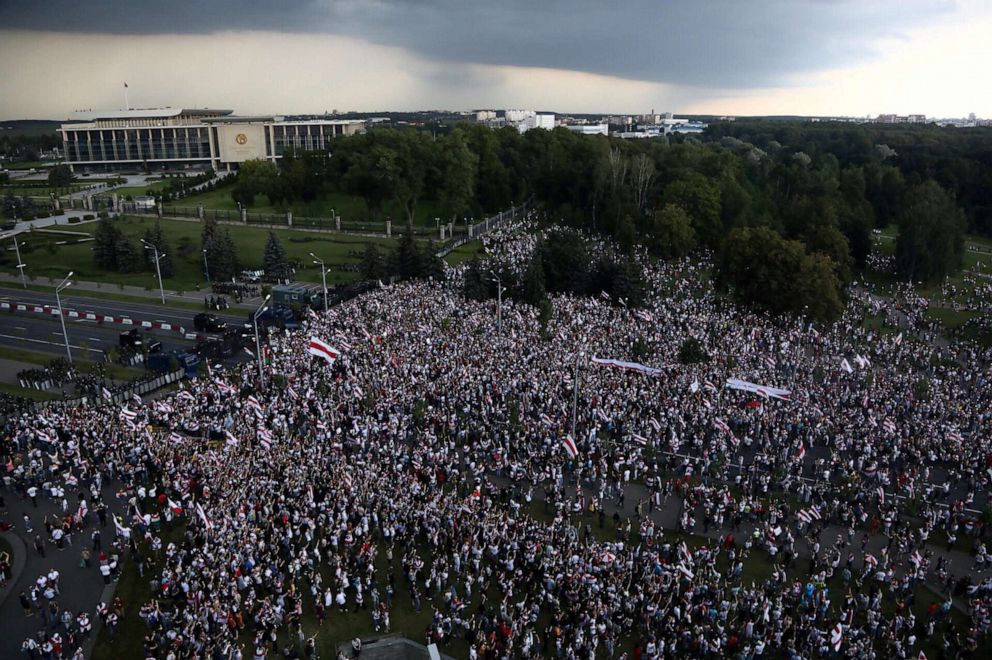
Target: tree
x,y
105,240
700,199
457,165
930,244
156,237
763,270
60,176
372,265
672,235
534,291
408,262
129,258
829,241
274,259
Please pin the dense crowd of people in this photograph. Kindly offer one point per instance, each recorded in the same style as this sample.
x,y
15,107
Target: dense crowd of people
x,y
433,467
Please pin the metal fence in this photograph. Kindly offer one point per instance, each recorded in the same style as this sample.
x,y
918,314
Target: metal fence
x,y
141,388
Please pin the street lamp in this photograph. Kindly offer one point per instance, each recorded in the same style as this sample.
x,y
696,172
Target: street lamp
x,y
575,391
206,268
323,275
158,268
20,264
58,299
258,342
499,308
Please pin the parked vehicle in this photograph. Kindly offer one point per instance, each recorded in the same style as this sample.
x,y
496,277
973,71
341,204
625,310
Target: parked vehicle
x,y
204,322
133,339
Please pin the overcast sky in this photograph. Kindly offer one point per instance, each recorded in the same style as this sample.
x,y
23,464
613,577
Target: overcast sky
x,y
814,57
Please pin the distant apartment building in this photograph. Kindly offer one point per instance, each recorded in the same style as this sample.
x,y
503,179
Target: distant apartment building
x,y
545,121
901,119
178,138
516,116
482,116
589,129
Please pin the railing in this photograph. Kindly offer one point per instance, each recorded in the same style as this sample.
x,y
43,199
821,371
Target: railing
x,y
143,387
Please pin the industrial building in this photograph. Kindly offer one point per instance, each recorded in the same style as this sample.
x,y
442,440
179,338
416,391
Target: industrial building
x,y
184,138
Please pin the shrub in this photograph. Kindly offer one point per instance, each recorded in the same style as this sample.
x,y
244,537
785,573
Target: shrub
x,y
89,216
73,220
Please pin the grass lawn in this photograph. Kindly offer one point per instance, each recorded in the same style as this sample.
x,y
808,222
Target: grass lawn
x,y
113,371
46,258
13,389
349,207
131,191
464,253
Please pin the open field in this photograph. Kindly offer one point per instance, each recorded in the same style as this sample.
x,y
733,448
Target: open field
x,y
53,254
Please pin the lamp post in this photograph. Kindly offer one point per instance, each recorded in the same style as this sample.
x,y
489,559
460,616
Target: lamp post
x,y
323,276
499,303
575,391
258,342
206,268
20,264
58,299
158,269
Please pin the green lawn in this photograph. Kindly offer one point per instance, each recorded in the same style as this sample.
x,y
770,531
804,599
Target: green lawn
x,y
108,295
46,258
131,191
464,253
349,207
13,389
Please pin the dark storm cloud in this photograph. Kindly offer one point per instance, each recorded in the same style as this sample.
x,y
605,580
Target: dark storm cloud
x,y
704,43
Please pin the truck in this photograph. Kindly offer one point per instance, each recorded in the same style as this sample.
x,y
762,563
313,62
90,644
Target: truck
x,y
278,316
132,339
185,360
204,322
298,295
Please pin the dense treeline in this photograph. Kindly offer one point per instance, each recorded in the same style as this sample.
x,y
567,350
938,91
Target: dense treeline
x,y
821,193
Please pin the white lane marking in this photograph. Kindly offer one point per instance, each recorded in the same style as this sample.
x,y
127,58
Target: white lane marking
x,y
50,343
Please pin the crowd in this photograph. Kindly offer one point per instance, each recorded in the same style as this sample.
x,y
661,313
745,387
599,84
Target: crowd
x,y
426,469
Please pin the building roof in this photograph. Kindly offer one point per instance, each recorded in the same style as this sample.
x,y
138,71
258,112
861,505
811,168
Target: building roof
x,y
146,113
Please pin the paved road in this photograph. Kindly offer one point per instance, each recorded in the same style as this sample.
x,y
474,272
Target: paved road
x,y
150,311
37,332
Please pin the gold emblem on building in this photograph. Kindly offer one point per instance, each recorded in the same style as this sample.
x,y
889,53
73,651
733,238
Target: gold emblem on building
x,y
241,138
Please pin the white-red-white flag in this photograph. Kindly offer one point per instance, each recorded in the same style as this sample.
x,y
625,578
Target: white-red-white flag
x,y
323,350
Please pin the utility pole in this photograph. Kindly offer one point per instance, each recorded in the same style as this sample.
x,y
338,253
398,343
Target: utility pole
x,y
20,264
58,299
499,303
206,268
158,269
323,276
258,342
575,392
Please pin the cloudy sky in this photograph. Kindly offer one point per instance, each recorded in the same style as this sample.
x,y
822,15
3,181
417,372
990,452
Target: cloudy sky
x,y
812,57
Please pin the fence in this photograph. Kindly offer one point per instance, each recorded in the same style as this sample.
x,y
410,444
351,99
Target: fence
x,y
143,387
452,234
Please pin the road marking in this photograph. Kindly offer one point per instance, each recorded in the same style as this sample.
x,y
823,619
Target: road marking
x,y
50,343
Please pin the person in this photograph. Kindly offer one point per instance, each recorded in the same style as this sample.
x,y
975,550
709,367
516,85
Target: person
x,y
26,604
356,647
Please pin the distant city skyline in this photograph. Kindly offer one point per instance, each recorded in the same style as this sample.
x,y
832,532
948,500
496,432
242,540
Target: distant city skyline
x,y
767,57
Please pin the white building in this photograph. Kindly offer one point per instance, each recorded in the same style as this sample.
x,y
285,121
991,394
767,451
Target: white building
x,y
515,116
589,129
174,138
546,122
485,115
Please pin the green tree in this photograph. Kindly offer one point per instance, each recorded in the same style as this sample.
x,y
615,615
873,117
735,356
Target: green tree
x,y
930,244
155,236
829,241
129,258
408,262
105,240
700,199
60,177
274,259
534,289
763,270
457,166
372,264
672,235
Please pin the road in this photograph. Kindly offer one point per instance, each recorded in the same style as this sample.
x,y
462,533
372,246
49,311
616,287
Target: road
x,y
136,311
43,332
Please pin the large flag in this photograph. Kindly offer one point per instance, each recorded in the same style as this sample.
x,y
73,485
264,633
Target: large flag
x,y
323,350
846,366
836,637
203,516
633,366
230,439
899,339
265,437
569,444
761,390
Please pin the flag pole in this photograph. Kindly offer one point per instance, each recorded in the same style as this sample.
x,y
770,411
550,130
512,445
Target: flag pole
x,y
127,105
